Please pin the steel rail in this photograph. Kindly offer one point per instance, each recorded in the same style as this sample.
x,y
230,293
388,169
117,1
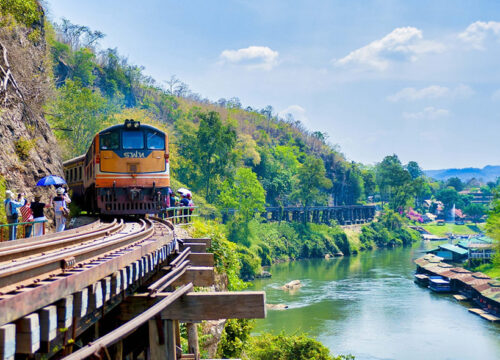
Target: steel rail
x,y
64,250
129,327
36,247
48,237
54,262
48,290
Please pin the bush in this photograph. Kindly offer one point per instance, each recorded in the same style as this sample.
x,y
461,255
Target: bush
x,y
23,147
25,12
225,254
234,338
282,347
390,230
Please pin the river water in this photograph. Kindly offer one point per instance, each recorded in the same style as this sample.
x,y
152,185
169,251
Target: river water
x,y
368,306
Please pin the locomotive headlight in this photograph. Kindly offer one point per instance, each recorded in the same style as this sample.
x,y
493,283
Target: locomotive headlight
x,y
137,124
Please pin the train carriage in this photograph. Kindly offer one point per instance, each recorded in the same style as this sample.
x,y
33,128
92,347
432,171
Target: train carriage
x,y
125,171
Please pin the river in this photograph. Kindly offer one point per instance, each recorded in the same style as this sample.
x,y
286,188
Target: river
x,y
368,306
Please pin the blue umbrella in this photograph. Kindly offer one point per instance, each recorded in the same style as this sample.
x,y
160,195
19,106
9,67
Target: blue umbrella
x,y
51,180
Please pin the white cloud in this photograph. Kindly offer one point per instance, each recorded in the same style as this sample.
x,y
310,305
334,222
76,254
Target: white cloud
x,y
297,111
431,92
405,43
253,57
477,32
429,113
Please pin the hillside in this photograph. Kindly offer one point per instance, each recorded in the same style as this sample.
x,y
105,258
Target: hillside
x,y
488,173
28,149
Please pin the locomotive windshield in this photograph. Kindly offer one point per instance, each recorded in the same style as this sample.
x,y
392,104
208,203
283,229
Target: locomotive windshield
x,y
155,140
110,140
132,139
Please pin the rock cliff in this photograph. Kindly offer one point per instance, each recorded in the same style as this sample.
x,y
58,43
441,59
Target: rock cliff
x,y
28,149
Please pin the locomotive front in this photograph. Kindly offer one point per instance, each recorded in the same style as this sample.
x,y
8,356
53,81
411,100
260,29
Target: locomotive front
x,y
131,170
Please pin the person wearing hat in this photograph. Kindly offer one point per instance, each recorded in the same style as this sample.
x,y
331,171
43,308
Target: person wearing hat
x,y
60,208
38,215
11,207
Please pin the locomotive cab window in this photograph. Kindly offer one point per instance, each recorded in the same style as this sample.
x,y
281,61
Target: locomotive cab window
x,y
155,140
110,140
132,139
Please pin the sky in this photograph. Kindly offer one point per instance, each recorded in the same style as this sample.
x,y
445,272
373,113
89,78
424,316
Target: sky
x,y
416,78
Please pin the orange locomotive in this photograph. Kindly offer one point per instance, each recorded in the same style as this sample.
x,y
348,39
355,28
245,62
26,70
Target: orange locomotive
x,y
125,171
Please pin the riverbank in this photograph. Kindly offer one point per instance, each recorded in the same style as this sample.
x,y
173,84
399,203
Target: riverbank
x,y
450,228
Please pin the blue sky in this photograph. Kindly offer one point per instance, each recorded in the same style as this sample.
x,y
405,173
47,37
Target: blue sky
x,y
416,78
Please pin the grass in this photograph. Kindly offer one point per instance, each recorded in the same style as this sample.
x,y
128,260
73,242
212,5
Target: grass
x,y
443,230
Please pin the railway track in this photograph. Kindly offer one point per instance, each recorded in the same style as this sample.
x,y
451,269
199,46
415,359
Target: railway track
x,y
35,274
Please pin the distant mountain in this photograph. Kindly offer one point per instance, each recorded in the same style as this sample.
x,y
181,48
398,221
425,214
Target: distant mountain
x,y
488,173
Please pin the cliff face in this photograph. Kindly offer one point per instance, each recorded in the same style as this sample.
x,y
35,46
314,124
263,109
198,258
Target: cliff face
x,y
28,149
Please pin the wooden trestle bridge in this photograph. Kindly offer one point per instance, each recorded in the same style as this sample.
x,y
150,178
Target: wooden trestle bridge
x,y
110,291
344,215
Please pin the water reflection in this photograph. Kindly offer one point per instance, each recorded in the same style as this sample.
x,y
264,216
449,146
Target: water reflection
x,y
368,305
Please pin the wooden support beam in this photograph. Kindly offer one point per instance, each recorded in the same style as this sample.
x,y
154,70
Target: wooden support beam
x,y
201,259
116,283
217,305
130,327
169,278
193,345
198,275
96,296
200,248
106,288
156,340
7,342
28,334
48,323
65,312
170,347
80,303
206,241
119,351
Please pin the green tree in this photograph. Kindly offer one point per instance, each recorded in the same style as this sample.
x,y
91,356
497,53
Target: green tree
x,y
243,193
414,170
311,180
276,172
475,211
81,111
369,182
493,225
450,197
390,174
209,151
456,183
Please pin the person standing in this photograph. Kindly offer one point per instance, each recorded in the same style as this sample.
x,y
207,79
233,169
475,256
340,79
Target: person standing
x,y
184,203
11,211
172,200
27,216
191,206
60,209
37,209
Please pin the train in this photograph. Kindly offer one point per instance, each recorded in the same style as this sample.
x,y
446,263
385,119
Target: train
x,y
124,172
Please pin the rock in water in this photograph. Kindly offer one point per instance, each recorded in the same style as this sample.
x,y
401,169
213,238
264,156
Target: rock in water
x,y
264,274
294,284
276,306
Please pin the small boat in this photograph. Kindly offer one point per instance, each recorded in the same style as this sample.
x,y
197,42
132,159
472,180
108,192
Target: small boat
x,y
421,279
439,284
